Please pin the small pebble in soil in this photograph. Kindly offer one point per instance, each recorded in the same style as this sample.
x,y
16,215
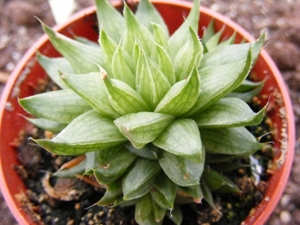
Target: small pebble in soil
x,y
10,66
285,217
285,200
275,221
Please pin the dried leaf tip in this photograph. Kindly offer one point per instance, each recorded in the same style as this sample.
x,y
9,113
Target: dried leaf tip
x,y
103,75
125,129
197,200
61,74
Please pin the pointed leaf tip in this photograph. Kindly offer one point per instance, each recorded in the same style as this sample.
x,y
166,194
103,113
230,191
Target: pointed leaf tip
x,y
82,135
81,56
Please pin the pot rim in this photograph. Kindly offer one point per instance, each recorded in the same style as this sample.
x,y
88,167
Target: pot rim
x,y
263,213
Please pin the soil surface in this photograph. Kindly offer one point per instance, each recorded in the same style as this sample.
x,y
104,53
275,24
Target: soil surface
x,y
279,18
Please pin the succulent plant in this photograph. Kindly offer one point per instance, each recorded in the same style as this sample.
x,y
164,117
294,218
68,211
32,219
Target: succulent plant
x,y
149,110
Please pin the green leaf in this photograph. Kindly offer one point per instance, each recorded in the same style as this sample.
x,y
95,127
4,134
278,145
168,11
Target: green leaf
x,y
148,151
182,138
113,191
52,65
91,162
165,64
108,46
207,194
229,112
246,96
143,211
219,183
230,141
182,96
85,41
248,85
124,203
214,40
237,52
160,199
180,170
208,32
143,127
180,36
147,14
247,90
122,97
111,21
194,192
136,53
151,83
113,162
188,56
95,95
167,189
83,135
45,124
219,81
158,212
136,31
176,215
140,179
60,106
122,67
160,37
82,57
228,41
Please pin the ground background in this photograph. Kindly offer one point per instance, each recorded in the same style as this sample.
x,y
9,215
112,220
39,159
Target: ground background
x,y
279,18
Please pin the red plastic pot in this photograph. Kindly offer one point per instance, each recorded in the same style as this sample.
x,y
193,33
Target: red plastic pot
x,y
28,72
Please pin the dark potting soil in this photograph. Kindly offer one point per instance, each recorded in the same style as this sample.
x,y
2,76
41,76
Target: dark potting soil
x,y
72,201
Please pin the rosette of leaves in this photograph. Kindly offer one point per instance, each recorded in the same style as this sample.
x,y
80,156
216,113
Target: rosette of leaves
x,y
149,110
